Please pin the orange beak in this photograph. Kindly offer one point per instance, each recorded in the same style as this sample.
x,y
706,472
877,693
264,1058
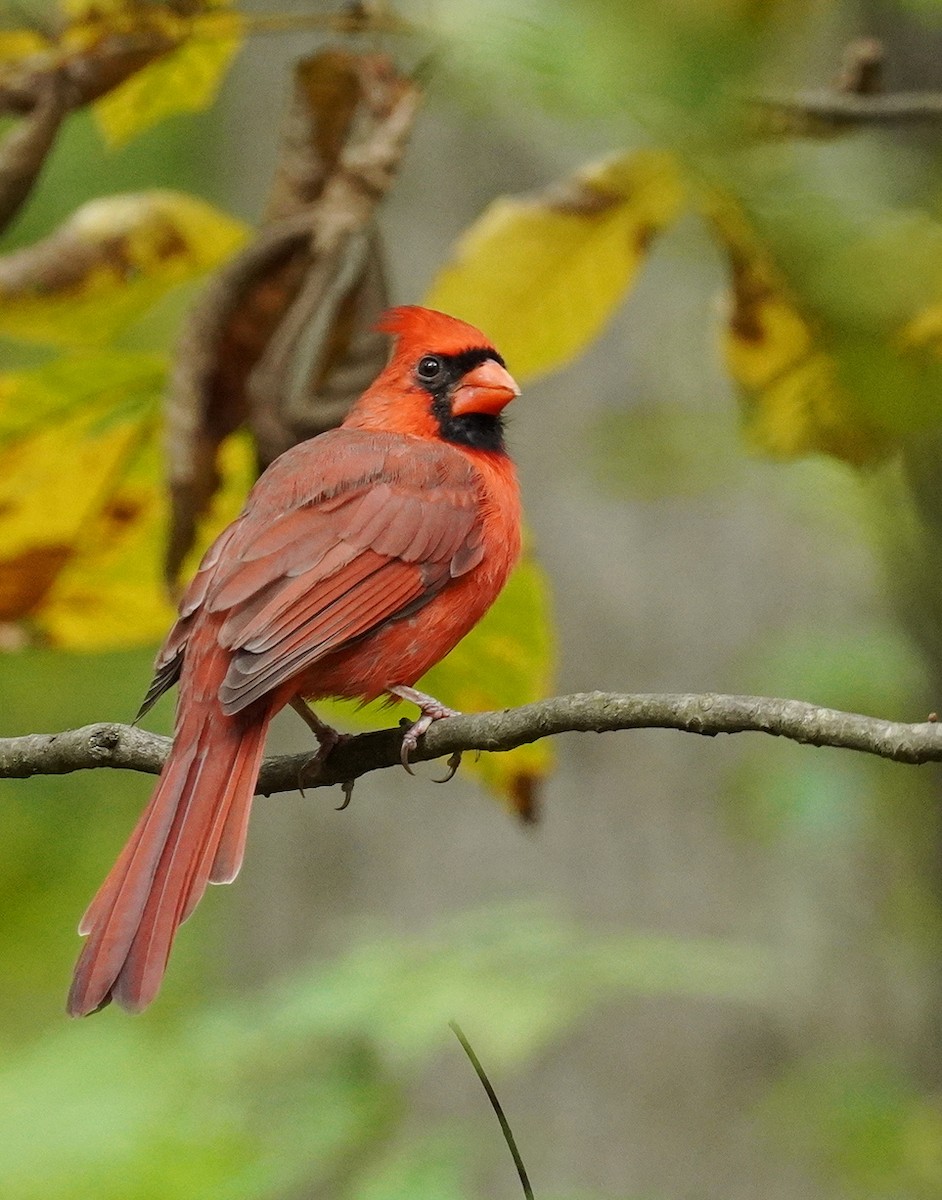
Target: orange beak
x,y
485,389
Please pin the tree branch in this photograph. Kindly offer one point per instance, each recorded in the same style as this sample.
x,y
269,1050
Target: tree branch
x,y
845,110
127,747
855,98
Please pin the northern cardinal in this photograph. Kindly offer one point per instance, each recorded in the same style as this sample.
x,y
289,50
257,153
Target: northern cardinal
x,y
360,559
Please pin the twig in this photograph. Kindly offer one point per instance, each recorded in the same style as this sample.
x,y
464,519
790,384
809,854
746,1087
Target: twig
x,y
847,109
126,747
338,23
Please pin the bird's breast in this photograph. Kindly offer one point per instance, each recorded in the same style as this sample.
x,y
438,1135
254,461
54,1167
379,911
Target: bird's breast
x,y
400,652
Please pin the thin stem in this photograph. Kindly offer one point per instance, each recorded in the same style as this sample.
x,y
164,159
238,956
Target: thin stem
x,y
496,1105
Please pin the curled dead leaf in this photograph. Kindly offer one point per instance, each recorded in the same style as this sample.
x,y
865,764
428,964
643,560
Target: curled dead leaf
x,y
282,339
523,794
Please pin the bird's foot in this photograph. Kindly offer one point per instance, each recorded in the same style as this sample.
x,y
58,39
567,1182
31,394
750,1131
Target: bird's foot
x,y
329,738
432,710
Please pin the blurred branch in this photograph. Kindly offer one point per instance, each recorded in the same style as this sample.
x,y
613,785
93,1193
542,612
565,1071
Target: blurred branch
x,y
856,97
134,749
24,150
840,110
358,19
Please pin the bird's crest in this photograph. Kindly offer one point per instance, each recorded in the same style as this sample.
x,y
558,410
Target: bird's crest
x,y
420,329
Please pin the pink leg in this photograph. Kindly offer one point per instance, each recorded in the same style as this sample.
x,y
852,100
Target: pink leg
x,y
431,710
327,736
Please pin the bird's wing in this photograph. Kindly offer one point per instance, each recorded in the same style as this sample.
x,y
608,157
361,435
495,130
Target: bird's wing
x,y
379,528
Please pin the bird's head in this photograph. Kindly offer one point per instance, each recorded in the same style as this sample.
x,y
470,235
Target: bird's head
x,y
444,379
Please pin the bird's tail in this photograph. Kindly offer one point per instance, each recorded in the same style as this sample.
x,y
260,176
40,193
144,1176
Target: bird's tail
x,y
191,833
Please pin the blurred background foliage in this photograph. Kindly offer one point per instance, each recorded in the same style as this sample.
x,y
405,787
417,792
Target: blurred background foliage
x,y
713,970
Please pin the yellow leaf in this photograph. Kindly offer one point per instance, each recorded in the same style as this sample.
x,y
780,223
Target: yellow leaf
x,y
17,44
542,274
57,475
80,10
185,79
794,400
111,592
107,12
108,263
83,506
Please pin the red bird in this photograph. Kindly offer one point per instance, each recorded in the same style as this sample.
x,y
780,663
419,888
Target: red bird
x,y
360,559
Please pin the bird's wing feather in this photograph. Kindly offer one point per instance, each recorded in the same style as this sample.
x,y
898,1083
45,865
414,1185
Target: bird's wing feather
x,y
377,533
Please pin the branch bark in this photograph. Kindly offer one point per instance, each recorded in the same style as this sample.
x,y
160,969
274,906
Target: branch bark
x,y
129,748
848,110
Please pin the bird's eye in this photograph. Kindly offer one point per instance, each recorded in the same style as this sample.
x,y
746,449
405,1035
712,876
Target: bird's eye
x,y
429,368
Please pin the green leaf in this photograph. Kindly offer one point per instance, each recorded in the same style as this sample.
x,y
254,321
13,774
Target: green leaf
x,y
429,1168
67,387
512,977
824,800
115,1111
867,670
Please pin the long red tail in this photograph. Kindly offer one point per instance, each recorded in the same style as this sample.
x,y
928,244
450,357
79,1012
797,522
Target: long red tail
x,y
191,833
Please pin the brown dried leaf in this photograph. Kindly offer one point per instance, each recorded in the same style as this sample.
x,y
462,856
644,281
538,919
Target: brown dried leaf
x,y
324,352
223,337
282,339
316,127
100,46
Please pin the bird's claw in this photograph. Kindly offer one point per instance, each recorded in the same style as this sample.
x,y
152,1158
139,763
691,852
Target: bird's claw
x,y
431,710
410,739
347,788
454,762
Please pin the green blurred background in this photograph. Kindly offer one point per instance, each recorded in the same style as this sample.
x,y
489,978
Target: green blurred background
x,y
713,970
